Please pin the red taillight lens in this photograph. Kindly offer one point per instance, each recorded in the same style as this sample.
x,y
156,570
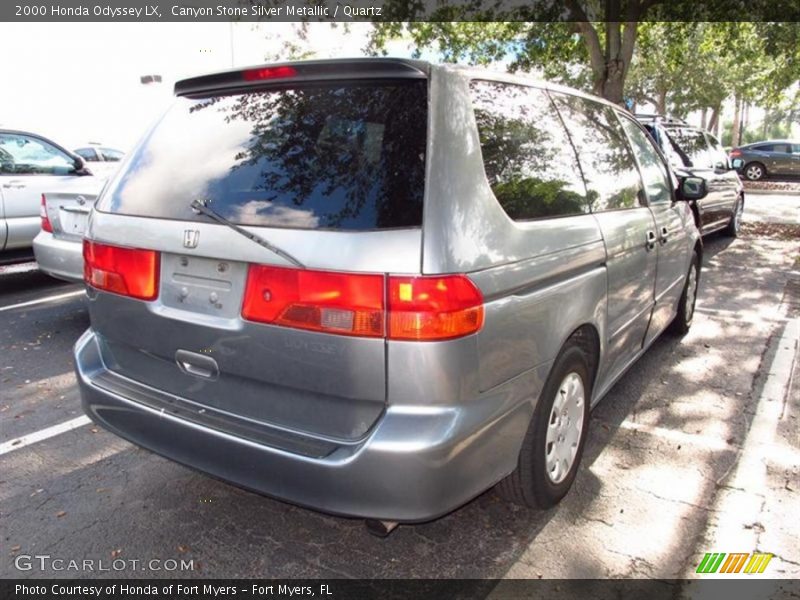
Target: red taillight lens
x,y
126,271
268,73
343,303
46,225
736,152
433,308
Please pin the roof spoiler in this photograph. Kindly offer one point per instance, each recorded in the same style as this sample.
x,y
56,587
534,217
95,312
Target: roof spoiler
x,y
301,71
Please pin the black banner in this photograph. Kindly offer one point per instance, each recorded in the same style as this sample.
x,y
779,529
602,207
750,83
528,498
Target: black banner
x,y
389,589
346,11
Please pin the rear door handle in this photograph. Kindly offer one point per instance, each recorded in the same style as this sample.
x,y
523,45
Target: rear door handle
x,y
664,235
651,240
198,365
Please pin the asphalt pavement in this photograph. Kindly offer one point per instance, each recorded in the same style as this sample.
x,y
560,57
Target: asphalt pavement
x,y
694,450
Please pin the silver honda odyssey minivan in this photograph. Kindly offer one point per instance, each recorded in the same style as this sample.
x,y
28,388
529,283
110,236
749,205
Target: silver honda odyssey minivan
x,y
379,287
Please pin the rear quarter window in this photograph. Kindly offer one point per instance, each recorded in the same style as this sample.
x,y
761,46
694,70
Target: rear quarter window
x,y
529,161
333,156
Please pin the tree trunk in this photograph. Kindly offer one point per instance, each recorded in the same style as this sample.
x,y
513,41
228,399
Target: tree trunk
x,y
661,102
713,120
737,115
703,114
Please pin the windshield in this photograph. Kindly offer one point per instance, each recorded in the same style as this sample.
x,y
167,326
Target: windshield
x,y
323,156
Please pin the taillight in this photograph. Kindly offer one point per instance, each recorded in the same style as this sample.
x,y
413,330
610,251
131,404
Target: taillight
x,y
417,308
343,303
46,225
736,152
433,308
126,271
268,73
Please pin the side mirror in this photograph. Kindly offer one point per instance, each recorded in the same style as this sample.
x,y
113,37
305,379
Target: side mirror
x,y
692,188
79,163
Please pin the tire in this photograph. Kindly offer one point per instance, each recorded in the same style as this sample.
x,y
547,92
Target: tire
x,y
754,171
534,484
732,230
686,305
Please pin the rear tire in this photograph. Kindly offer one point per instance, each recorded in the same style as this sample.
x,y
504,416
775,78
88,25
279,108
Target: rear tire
x,y
686,305
732,230
552,449
754,171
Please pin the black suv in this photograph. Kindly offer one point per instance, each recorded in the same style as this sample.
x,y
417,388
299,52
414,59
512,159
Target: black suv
x,y
691,149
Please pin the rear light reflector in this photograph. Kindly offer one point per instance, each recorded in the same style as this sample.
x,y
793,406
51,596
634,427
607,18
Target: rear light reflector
x,y
269,73
125,271
433,308
419,308
46,225
343,303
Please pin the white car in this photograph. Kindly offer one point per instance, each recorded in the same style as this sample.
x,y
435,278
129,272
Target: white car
x,y
30,165
101,160
64,213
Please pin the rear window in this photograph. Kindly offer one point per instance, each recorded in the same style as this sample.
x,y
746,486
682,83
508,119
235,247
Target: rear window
x,y
318,157
692,146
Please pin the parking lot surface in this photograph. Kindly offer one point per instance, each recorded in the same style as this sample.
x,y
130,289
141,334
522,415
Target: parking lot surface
x,y
695,450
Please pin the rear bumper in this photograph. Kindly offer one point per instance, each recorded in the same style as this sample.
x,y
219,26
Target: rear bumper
x,y
415,464
59,258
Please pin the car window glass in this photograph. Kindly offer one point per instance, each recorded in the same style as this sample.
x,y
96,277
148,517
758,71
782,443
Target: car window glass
x,y
337,155
782,148
693,145
111,155
25,155
612,179
764,147
653,170
87,154
719,157
529,161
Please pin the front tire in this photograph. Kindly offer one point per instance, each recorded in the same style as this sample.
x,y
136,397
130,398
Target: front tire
x,y
732,230
552,449
686,304
754,171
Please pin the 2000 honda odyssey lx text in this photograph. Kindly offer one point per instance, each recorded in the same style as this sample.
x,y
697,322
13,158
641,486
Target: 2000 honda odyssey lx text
x,y
379,287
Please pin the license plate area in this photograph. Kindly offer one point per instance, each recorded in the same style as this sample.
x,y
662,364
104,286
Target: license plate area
x,y
73,222
203,285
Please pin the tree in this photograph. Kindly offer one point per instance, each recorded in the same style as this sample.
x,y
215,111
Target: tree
x,y
600,52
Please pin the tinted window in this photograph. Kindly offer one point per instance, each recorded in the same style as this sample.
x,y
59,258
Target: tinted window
x,y
324,156
718,155
87,154
25,155
764,147
529,161
691,144
609,169
111,155
654,173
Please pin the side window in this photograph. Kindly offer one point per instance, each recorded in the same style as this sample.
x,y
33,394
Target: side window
x,y
765,147
527,155
692,144
111,155
719,158
87,154
612,179
24,155
782,149
654,173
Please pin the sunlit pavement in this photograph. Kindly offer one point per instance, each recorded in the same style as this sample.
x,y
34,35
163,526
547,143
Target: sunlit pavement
x,y
695,450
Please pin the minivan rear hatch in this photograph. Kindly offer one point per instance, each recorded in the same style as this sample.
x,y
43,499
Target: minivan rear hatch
x,y
325,161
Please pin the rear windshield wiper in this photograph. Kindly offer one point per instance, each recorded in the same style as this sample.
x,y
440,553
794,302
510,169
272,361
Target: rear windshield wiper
x,y
201,206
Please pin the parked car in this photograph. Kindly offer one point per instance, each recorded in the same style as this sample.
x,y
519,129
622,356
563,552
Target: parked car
x,y
268,304
64,214
30,165
700,153
102,161
769,158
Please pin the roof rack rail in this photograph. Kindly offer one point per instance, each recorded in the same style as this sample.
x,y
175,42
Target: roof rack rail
x,y
660,118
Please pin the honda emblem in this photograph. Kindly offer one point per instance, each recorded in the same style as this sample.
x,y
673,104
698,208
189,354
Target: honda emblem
x,y
190,238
